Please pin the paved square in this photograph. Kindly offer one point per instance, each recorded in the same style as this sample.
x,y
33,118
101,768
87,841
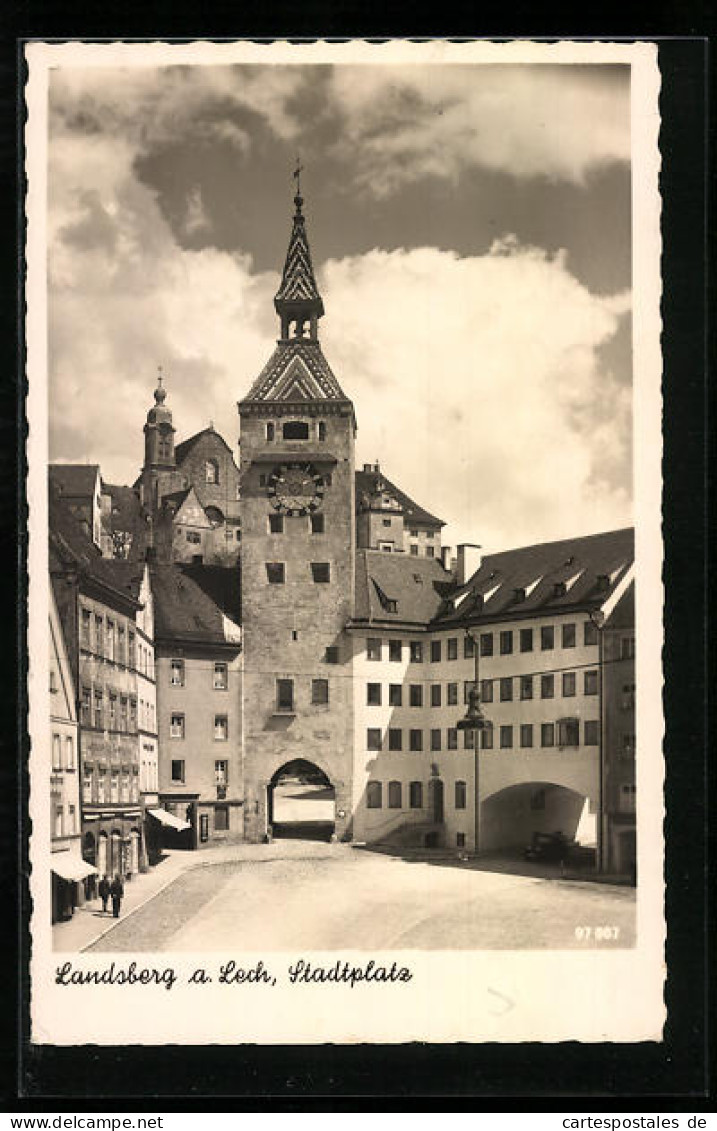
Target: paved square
x,y
296,895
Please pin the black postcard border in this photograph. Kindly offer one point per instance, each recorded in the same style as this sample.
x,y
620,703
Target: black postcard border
x,y
326,1077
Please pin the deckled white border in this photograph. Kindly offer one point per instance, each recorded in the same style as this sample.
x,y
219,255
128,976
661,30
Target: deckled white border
x,y
455,996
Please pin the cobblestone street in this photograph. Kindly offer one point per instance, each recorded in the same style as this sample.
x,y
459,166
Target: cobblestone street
x,y
303,895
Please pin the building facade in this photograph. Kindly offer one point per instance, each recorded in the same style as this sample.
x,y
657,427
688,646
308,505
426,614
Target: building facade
x,y
68,868
199,703
619,714
527,625
97,601
190,491
147,717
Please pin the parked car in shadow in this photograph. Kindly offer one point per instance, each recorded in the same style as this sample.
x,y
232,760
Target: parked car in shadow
x,y
549,847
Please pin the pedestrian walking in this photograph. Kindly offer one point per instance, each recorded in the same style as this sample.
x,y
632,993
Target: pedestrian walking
x,y
116,891
104,890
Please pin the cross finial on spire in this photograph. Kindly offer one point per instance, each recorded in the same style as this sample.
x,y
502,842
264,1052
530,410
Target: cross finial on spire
x,y
298,199
160,392
297,174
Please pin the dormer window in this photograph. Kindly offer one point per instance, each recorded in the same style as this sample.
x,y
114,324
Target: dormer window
x,y
295,430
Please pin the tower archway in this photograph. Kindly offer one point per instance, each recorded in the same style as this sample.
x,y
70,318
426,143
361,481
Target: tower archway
x,y
301,802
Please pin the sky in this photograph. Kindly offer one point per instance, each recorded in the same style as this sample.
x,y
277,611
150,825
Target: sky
x,y
470,230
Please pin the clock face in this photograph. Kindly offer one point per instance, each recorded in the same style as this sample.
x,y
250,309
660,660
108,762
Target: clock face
x,y
295,488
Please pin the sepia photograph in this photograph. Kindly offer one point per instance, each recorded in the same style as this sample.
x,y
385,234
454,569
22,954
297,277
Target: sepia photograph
x,y
345,591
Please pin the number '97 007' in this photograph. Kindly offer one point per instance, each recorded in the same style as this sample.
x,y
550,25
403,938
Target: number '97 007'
x,y
598,934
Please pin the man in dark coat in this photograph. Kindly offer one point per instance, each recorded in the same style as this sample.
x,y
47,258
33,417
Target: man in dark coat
x,y
104,890
116,891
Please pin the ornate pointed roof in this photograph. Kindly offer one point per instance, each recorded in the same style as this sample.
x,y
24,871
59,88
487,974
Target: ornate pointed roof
x,y
296,373
298,289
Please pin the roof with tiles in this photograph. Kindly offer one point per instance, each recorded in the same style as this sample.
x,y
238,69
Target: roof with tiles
x,y
367,484
550,577
298,284
623,615
125,507
71,547
296,372
185,611
181,451
74,480
176,498
396,588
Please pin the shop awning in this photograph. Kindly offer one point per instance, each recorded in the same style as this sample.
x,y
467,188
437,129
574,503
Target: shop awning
x,y
169,819
71,866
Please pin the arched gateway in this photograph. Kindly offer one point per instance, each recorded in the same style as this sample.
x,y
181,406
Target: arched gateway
x,y
301,802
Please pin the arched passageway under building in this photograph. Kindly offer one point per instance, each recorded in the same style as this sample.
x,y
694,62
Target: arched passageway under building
x,y
510,817
301,802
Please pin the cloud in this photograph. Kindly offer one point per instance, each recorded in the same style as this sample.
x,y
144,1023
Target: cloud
x,y
150,106
196,220
402,123
478,381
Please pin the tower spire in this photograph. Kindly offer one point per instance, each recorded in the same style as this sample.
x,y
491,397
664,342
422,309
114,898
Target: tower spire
x,y
297,300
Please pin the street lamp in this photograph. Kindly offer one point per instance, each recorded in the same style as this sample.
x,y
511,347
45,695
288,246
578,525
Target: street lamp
x,y
475,721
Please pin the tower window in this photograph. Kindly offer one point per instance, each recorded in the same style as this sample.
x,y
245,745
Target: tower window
x,y
275,573
270,431
321,571
295,430
319,692
276,524
317,524
285,694
211,471
321,430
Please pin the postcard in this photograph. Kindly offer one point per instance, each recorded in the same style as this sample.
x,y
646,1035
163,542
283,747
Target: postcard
x,y
345,614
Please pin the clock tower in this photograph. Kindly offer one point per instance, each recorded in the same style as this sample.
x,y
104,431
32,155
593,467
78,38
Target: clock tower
x,y
298,556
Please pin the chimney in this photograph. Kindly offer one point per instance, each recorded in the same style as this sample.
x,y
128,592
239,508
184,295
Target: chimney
x,y
367,468
469,560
